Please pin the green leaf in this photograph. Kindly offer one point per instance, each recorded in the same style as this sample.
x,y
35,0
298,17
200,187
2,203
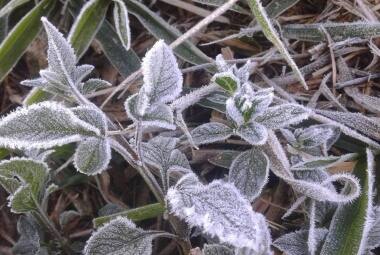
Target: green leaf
x,y
277,7
126,62
349,224
162,30
271,35
10,6
224,159
15,44
136,214
120,16
227,81
87,25
29,177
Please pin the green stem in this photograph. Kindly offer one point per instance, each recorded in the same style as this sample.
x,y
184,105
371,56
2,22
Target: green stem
x,y
136,214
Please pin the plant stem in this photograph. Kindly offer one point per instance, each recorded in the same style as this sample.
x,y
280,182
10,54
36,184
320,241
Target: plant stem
x,y
136,214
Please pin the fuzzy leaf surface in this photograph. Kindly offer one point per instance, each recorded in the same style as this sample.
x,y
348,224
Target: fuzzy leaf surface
x,y
217,249
210,132
249,173
43,125
219,210
283,115
252,132
92,115
162,77
120,237
25,181
92,155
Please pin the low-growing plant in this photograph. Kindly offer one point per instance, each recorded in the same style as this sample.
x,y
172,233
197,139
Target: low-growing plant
x,y
279,138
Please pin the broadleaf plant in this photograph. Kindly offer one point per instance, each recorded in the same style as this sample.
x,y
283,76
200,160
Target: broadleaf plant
x,y
262,139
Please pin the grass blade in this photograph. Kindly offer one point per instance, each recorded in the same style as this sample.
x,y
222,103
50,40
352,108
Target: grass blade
x,y
271,34
162,30
337,31
126,62
87,25
15,44
10,6
348,226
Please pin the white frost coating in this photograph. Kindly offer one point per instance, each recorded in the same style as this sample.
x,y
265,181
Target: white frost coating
x,y
92,85
221,64
220,210
370,217
229,75
43,125
61,56
216,249
120,16
311,239
295,243
210,132
254,133
162,77
249,173
233,112
283,115
92,155
357,121
374,234
92,115
159,115
120,237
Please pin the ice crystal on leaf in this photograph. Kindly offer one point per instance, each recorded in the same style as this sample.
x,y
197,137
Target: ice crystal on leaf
x,y
210,132
160,152
120,16
219,210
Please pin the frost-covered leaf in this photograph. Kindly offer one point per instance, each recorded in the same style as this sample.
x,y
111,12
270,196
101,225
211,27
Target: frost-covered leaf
x,y
61,56
322,162
92,85
351,222
38,82
216,249
159,115
249,173
29,241
43,125
317,135
295,243
227,80
162,77
374,233
370,103
252,132
92,115
283,115
219,210
92,155
120,237
357,121
160,152
120,16
25,180
210,132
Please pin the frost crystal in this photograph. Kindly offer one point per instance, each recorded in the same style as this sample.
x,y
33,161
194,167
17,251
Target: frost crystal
x,y
220,210
210,132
